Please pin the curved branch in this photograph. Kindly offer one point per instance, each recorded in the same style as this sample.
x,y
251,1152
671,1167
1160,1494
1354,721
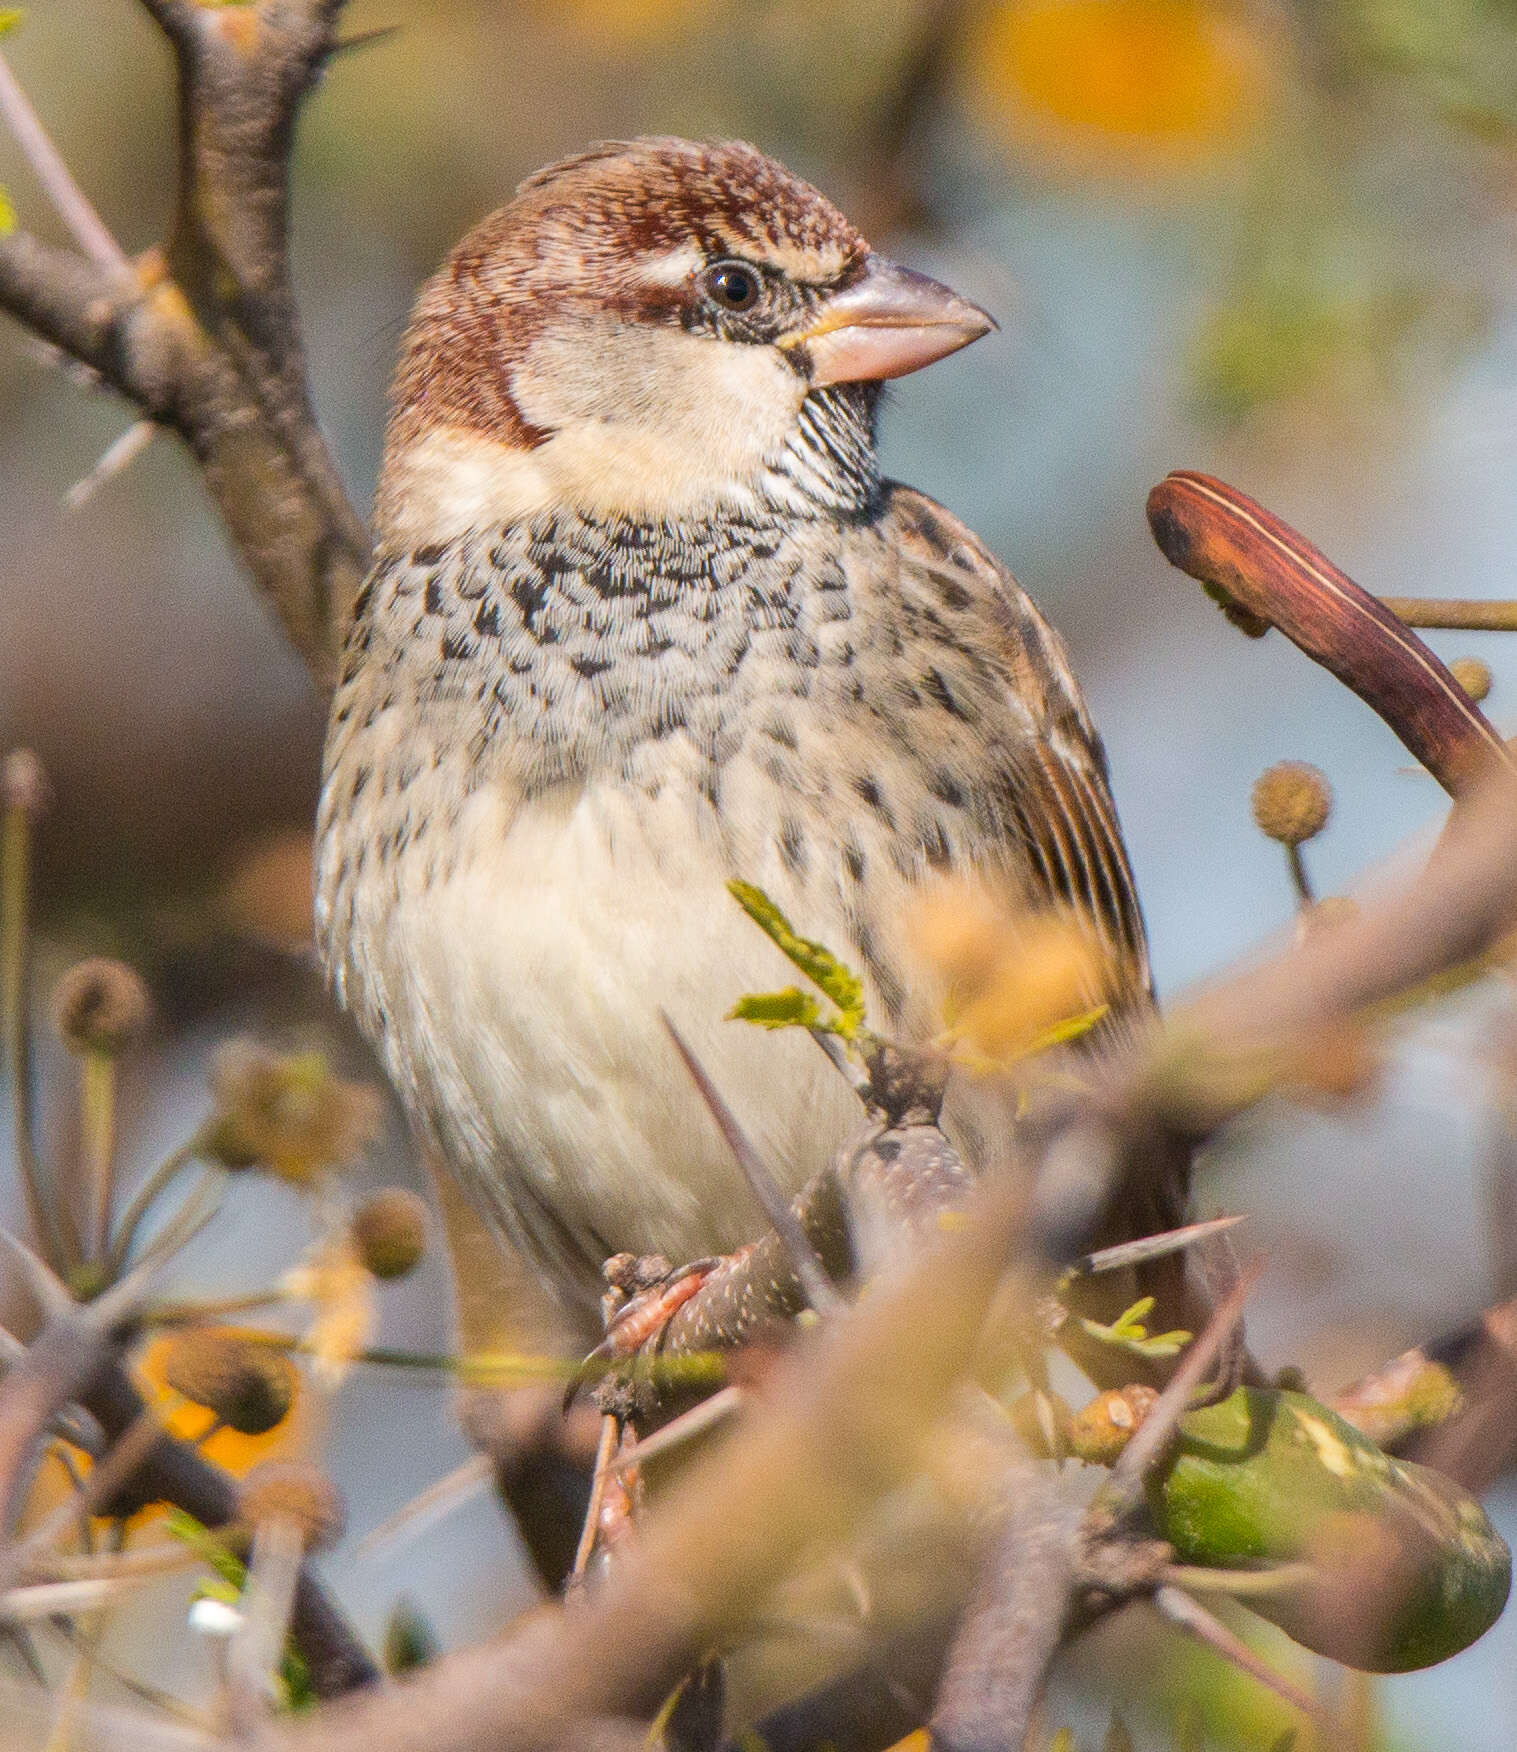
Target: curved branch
x,y
1255,562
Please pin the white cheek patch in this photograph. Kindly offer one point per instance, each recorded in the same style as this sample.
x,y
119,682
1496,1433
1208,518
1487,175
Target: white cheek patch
x,y
451,481
653,420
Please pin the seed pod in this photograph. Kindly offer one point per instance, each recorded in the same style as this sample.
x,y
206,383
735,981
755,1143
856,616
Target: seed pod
x,y
294,1490
101,1006
23,783
390,1231
1291,802
248,1386
286,1112
1391,1565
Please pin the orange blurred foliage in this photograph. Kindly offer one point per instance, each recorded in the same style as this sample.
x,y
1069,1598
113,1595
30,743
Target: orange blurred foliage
x,y
1157,81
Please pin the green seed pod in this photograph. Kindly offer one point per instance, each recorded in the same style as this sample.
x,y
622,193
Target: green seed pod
x,y
1391,1566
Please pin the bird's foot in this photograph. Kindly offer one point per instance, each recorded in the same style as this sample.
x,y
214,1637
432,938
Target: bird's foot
x,y
644,1295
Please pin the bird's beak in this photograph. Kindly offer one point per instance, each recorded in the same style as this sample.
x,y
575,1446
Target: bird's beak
x,y
887,322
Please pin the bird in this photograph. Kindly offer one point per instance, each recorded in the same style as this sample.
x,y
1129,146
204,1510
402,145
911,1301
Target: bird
x,y
644,617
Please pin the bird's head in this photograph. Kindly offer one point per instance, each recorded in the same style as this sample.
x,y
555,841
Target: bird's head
x,y
654,328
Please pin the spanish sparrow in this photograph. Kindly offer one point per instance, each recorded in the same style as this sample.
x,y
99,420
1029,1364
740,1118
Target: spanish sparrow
x,y
644,617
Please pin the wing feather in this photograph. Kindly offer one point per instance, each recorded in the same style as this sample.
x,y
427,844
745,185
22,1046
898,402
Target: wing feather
x,y
1055,794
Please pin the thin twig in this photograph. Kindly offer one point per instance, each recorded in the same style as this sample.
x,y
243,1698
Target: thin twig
x,y
1150,1247
1300,881
724,1403
64,1599
774,1204
1190,1616
142,1202
1159,1427
428,1506
97,1092
610,1436
119,1464
118,456
1468,614
23,784
69,201
273,1566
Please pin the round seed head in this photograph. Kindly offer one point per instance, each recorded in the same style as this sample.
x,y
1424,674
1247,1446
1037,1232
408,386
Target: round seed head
x,y
1291,802
1473,675
248,1386
294,1490
390,1231
100,1005
286,1112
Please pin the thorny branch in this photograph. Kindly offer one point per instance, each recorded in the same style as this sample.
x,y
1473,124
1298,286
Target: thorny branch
x,y
812,1450
203,336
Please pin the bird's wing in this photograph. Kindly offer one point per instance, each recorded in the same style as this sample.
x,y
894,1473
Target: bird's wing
x,y
1054,798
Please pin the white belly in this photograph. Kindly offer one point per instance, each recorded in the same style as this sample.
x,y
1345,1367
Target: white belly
x,y
521,998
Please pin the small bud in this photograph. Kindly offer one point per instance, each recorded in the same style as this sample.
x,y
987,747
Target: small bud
x,y
297,1491
286,1112
410,1642
100,1006
1291,802
1099,1431
23,783
390,1231
248,1386
1474,675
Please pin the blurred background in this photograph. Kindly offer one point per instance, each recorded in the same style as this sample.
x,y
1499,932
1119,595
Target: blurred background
x,y
1271,241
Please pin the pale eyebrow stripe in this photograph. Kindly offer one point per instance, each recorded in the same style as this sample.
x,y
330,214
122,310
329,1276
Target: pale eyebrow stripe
x,y
672,267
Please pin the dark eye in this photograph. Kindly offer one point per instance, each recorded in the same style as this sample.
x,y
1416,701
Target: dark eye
x,y
733,285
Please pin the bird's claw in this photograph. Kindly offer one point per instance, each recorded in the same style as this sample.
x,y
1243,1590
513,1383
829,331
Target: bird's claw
x,y
642,1315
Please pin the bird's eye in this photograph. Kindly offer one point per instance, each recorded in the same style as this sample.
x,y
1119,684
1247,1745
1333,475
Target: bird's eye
x,y
733,285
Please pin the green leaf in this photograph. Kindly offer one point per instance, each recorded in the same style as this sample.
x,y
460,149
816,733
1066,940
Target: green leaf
x,y
207,1547
10,17
791,1008
1127,1332
815,960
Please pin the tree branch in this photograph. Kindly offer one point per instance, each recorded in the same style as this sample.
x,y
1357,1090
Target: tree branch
x,y
205,339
